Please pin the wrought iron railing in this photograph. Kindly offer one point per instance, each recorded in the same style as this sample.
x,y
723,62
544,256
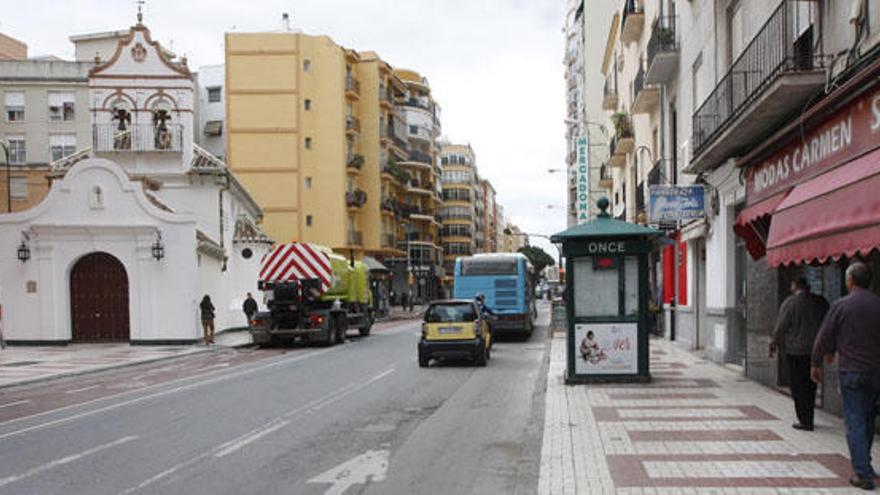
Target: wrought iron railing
x,y
352,123
663,37
355,238
772,52
639,81
353,85
137,138
420,156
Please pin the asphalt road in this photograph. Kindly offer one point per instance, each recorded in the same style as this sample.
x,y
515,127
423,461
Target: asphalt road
x,y
356,418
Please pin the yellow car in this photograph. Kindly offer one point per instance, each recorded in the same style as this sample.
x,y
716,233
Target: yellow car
x,y
455,328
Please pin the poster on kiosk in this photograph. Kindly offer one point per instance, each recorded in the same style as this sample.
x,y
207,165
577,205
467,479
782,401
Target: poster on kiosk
x,y
606,299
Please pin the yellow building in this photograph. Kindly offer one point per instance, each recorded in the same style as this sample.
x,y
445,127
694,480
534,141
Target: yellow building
x,y
308,134
421,198
458,212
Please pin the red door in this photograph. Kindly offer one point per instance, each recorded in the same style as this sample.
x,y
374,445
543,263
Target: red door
x,y
99,299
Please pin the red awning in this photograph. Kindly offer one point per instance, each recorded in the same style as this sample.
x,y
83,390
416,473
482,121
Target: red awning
x,y
835,214
753,223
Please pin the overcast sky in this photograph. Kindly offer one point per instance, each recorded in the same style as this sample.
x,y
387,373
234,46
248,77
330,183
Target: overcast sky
x,y
495,67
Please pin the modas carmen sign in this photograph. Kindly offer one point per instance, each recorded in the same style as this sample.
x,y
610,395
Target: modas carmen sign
x,y
847,134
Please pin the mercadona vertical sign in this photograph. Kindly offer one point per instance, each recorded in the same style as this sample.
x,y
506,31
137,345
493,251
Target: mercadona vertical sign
x,y
582,205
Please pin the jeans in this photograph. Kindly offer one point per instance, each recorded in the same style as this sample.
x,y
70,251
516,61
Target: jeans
x,y
860,391
803,389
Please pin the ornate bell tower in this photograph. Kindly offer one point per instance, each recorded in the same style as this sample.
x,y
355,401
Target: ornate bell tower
x,y
142,106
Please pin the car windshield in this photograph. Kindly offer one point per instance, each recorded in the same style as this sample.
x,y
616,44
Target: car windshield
x,y
450,313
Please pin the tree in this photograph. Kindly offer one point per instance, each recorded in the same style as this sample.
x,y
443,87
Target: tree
x,y
538,257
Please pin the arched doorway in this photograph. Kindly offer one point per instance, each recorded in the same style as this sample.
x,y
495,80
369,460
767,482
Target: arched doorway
x,y
99,299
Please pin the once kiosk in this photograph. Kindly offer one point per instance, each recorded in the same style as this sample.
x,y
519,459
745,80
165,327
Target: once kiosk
x,y
606,299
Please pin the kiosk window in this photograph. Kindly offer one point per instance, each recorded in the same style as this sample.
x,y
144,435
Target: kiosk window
x,y
598,287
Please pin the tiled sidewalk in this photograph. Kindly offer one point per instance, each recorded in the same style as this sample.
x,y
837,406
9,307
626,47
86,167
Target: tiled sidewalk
x,y
698,428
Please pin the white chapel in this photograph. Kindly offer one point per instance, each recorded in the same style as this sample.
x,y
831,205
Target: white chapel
x,y
136,228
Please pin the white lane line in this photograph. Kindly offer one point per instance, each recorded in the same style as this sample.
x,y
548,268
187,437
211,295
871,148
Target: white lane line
x,y
161,393
18,402
64,460
284,418
250,439
77,390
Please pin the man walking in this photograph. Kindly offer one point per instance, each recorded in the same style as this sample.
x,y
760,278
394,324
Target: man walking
x,y
796,327
250,308
850,329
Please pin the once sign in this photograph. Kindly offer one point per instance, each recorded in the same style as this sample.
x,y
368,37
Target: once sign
x,y
610,247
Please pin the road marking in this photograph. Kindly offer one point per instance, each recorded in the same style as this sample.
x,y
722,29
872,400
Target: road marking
x,y
77,390
251,438
136,400
10,404
370,466
246,438
63,460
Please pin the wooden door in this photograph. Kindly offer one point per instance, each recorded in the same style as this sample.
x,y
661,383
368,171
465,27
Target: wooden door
x,y
99,299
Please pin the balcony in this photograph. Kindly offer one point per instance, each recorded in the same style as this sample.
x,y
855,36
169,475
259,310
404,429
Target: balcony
x,y
355,238
633,21
352,88
663,51
610,100
354,200
385,100
354,163
605,179
397,172
388,241
352,125
647,98
417,187
420,132
138,138
767,85
421,158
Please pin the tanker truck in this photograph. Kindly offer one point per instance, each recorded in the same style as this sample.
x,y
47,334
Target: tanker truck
x,y
312,295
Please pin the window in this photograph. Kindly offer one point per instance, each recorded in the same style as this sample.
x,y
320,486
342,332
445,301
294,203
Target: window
x,y
308,182
215,94
308,104
413,129
308,143
14,106
18,187
17,150
61,106
61,145
308,220
307,64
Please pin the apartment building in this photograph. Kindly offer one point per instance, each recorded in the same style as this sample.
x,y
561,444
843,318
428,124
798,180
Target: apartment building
x,y
211,109
45,118
12,49
458,213
420,270
766,105
586,33
490,218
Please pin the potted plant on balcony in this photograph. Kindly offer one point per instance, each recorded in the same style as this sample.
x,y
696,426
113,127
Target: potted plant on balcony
x,y
623,131
356,161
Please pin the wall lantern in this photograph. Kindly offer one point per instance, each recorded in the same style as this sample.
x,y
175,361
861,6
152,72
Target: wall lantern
x,y
24,252
158,247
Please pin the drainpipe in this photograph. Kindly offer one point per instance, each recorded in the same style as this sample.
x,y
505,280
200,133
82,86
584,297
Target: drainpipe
x,y
224,187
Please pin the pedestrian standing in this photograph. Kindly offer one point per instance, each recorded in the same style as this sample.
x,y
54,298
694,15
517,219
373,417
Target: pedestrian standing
x,y
798,323
207,310
250,308
404,301
850,330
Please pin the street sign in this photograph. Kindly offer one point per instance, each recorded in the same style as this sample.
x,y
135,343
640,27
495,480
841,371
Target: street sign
x,y
582,176
675,203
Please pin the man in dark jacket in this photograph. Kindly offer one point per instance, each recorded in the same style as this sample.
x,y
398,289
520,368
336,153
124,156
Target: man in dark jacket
x,y
798,323
850,330
249,307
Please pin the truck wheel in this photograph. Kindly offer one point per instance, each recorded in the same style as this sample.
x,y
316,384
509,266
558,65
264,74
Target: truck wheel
x,y
423,360
330,338
365,330
341,330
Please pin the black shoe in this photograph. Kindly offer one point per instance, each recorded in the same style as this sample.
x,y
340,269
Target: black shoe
x,y
860,483
803,427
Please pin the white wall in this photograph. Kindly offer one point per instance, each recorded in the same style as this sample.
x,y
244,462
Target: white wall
x,y
71,223
211,76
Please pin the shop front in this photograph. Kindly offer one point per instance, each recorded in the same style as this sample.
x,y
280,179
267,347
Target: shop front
x,y
812,207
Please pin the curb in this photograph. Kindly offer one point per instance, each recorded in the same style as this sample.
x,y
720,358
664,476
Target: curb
x,y
33,381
